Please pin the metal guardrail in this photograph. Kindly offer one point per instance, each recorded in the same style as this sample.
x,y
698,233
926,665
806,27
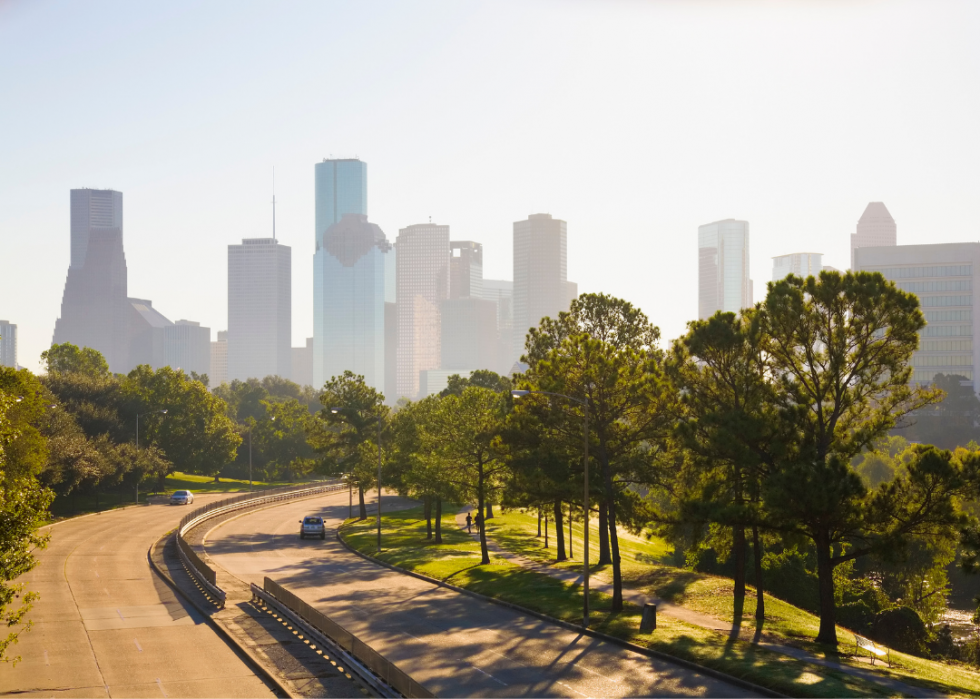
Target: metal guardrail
x,y
204,573
319,622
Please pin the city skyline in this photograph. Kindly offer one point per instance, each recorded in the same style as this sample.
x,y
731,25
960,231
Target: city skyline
x,y
630,180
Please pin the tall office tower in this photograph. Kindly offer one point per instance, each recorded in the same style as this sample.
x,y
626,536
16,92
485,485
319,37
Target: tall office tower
x,y
945,278
340,188
541,286
422,285
349,293
302,364
723,267
465,269
802,264
391,351
259,309
94,309
8,344
147,334
875,228
219,360
187,346
501,292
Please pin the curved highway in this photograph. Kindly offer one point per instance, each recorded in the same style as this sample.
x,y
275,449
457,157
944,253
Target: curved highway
x,y
453,644
107,626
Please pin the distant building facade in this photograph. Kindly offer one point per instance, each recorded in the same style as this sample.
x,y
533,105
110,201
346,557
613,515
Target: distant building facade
x,y
302,364
95,310
541,286
187,346
802,264
501,292
422,279
349,293
944,277
875,228
219,360
724,282
391,351
259,309
468,334
8,344
465,269
432,381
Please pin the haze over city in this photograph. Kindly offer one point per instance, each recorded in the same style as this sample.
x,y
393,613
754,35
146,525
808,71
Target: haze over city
x,y
633,122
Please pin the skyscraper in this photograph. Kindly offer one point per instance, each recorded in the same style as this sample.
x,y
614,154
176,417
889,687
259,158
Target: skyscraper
x,y
541,286
349,295
8,344
875,228
724,283
802,264
94,309
341,189
187,346
302,360
501,292
945,277
465,269
259,309
219,360
422,285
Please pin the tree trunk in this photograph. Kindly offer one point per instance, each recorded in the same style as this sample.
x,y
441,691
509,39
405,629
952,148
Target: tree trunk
x,y
760,598
489,510
604,558
539,521
570,530
480,507
825,580
738,549
546,531
438,520
360,500
559,533
217,478
427,509
617,601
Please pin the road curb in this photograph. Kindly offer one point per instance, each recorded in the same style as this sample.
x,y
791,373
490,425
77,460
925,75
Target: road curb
x,y
216,624
649,652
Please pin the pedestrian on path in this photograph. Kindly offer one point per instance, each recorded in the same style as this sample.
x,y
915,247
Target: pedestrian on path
x,y
469,523
479,521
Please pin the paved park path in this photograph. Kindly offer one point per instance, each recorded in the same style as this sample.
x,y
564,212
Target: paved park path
x,y
690,616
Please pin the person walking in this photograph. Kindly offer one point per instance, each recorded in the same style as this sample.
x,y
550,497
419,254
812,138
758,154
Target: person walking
x,y
478,520
469,523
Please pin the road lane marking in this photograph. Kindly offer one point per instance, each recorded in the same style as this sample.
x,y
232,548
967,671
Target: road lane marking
x,y
138,646
492,677
160,685
120,615
568,686
46,661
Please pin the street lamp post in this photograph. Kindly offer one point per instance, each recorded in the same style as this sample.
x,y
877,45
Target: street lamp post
x,y
154,412
338,411
585,497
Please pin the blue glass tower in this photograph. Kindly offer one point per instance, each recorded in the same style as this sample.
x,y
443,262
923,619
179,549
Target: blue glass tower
x,y
348,277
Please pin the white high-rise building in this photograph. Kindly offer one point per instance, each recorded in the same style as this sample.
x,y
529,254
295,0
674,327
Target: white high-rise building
x,y
422,279
541,286
724,283
875,228
8,344
259,309
802,264
219,360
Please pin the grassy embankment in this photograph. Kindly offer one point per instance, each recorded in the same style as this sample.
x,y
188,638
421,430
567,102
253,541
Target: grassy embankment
x,y
457,561
83,503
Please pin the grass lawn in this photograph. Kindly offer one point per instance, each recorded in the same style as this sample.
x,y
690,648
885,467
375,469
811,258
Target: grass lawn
x,y
644,568
457,561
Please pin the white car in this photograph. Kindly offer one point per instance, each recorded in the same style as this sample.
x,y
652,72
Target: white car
x,y
182,497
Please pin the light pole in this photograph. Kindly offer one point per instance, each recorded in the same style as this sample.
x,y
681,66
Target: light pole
x,y
585,499
338,411
154,412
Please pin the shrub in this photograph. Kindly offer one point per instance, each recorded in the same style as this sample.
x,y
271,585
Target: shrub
x,y
901,628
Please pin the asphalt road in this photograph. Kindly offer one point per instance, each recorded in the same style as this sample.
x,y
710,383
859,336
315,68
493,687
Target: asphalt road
x,y
107,626
453,644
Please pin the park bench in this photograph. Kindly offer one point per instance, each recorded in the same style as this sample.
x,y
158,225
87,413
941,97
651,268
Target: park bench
x,y
875,651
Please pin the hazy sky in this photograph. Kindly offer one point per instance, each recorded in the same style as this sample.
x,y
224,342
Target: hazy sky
x,y
633,121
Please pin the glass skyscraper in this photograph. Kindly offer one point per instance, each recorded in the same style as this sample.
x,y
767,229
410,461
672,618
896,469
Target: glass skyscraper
x,y
723,267
348,277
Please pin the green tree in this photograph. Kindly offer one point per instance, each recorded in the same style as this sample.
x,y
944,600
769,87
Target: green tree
x,y
838,349
69,359
483,378
196,434
282,438
604,350
349,437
